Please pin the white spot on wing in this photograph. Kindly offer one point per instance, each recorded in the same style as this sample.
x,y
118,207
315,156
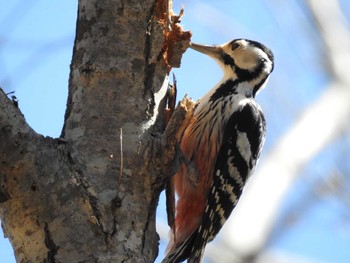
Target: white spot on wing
x,y
234,172
221,213
243,146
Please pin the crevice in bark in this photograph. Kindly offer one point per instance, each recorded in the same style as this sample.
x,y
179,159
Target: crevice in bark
x,y
153,50
50,244
149,68
116,203
92,201
151,211
120,10
126,253
77,171
4,195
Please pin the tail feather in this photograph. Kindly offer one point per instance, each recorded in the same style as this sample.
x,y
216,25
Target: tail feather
x,y
180,252
196,256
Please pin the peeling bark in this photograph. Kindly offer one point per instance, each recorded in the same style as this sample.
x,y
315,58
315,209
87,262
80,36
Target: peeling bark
x,y
88,196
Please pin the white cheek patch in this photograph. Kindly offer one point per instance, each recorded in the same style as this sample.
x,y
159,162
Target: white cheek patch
x,y
246,61
261,53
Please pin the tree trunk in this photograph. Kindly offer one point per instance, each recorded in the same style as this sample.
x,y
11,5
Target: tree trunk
x,y
91,195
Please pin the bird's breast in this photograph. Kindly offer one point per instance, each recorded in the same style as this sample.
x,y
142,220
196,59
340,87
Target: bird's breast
x,y
203,137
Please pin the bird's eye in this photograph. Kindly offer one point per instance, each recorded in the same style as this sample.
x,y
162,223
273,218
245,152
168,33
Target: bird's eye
x,y
235,46
263,60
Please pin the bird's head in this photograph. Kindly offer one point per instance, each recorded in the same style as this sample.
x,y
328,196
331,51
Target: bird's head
x,y
243,59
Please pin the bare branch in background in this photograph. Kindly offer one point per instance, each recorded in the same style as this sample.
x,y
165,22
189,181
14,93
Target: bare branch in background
x,y
249,228
335,36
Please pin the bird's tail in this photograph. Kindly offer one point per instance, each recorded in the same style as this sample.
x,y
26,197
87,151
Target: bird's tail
x,y
186,250
196,256
179,253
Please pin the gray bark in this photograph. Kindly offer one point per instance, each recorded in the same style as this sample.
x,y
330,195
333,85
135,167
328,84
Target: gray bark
x,y
91,195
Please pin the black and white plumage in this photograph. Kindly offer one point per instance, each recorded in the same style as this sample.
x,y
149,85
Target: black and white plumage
x,y
222,144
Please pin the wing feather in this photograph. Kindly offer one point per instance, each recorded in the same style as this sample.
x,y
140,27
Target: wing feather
x,y
241,146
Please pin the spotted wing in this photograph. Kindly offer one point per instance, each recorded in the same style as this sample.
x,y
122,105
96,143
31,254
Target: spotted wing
x,y
243,139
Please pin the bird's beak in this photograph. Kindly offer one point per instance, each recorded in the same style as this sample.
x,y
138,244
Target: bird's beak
x,y
212,51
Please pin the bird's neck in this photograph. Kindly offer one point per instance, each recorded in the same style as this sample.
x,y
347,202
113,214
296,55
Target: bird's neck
x,y
246,83
237,83
227,89
228,86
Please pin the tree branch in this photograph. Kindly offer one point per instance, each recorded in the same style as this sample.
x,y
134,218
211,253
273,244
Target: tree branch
x,y
11,118
16,138
71,199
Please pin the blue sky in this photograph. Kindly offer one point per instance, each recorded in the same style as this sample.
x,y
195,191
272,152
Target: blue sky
x,y
36,47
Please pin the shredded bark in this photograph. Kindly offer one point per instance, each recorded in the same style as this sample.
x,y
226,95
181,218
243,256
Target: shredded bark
x,y
177,40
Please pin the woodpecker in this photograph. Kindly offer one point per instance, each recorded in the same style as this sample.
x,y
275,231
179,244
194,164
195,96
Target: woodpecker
x,y
221,146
